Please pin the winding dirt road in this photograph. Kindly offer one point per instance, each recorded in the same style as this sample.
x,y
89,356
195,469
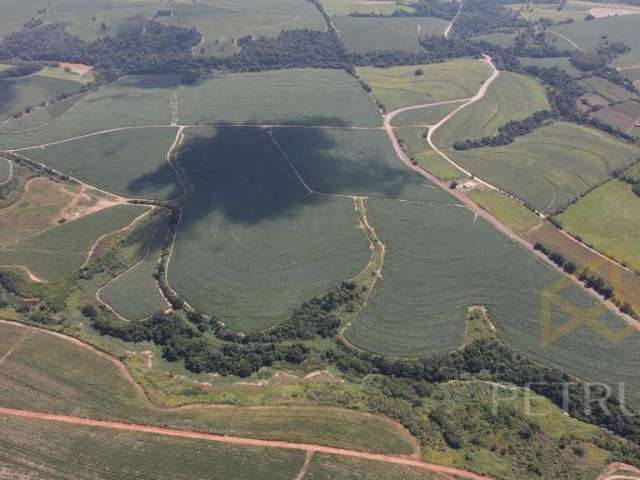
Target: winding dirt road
x,y
453,20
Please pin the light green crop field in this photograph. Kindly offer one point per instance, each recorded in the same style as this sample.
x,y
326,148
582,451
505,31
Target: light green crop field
x,y
253,244
354,162
143,100
608,218
398,87
562,63
132,162
223,22
551,166
418,149
346,7
47,373
57,451
440,261
63,249
588,35
510,97
297,96
5,170
514,215
606,89
366,34
331,467
135,294
554,11
424,116
41,115
20,93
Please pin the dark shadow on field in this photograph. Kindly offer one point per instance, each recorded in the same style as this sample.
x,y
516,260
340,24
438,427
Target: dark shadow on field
x,y
240,173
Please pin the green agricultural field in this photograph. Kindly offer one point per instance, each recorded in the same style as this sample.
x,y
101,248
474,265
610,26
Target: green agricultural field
x,y
416,146
331,467
19,93
551,166
510,97
223,22
58,451
633,172
132,163
398,87
589,35
62,250
5,170
79,382
504,40
608,218
143,100
135,294
380,7
253,244
16,12
297,96
366,34
513,214
606,89
354,162
40,115
554,11
439,261
424,116
562,63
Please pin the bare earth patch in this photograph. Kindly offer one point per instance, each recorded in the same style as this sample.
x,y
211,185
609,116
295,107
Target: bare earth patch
x,y
77,68
613,10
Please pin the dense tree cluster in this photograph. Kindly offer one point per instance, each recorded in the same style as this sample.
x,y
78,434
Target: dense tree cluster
x,y
485,16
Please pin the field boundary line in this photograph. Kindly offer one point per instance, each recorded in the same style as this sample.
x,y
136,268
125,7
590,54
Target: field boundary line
x,y
305,466
239,441
17,345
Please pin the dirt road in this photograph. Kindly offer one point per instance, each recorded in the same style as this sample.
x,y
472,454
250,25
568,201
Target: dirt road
x,y
238,441
453,20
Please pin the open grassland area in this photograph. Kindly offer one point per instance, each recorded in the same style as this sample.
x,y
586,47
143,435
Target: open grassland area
x,y
504,40
297,96
509,211
253,244
40,115
350,162
551,166
63,250
440,261
510,97
424,116
5,170
608,218
47,373
223,22
589,35
562,63
40,449
131,101
381,7
607,89
19,93
625,283
16,12
331,467
398,87
416,146
554,11
132,163
366,34
135,294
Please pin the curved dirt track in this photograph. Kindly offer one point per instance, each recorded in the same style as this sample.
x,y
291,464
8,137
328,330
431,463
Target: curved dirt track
x,y
239,441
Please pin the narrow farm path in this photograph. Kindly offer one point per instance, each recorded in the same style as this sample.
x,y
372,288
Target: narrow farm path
x,y
453,20
564,37
474,207
240,441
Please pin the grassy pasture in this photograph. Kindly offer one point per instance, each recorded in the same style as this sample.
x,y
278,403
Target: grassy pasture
x,y
398,87
5,170
588,35
634,172
504,40
331,467
143,100
562,63
126,162
608,218
346,7
40,116
424,116
223,22
418,149
366,34
253,244
19,93
556,12
440,261
16,12
58,451
47,373
39,208
510,97
354,162
606,89
551,166
135,294
296,96
62,250
514,215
